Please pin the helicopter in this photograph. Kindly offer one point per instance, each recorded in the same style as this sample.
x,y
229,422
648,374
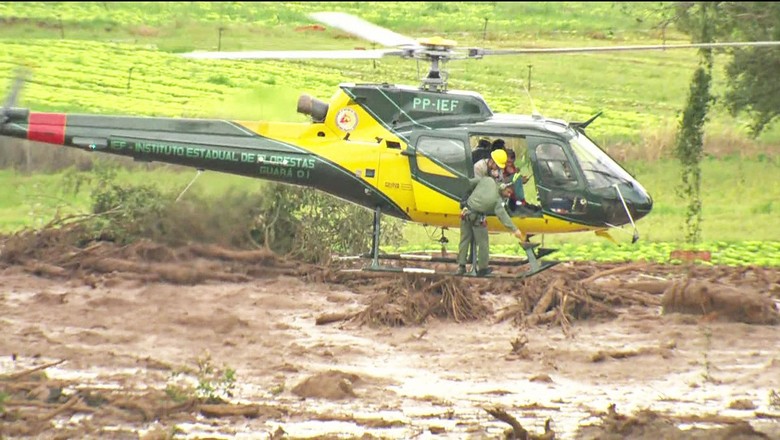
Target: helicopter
x,y
398,150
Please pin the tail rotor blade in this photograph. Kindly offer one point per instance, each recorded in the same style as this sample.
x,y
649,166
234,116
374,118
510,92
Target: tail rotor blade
x,y
13,95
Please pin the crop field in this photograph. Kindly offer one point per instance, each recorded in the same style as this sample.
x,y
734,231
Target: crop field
x,y
134,56
123,58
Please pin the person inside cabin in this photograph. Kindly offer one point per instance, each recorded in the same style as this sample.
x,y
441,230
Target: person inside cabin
x,y
510,168
513,177
498,144
508,176
482,151
491,166
517,202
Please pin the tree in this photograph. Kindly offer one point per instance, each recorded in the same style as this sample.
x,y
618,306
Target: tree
x,y
690,138
752,72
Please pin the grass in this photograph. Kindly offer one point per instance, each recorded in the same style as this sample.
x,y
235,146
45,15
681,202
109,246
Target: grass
x,y
33,199
542,18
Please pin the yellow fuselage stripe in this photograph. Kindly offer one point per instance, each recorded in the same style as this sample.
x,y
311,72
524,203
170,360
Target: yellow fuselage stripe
x,y
392,177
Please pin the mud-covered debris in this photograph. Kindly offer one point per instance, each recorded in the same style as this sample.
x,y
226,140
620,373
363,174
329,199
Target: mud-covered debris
x,y
54,253
249,411
720,302
520,348
146,250
333,385
665,351
650,425
517,432
278,434
541,378
411,299
743,404
554,300
52,299
33,402
369,422
329,318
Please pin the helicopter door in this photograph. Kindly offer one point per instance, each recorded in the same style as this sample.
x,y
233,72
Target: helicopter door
x,y
440,164
557,181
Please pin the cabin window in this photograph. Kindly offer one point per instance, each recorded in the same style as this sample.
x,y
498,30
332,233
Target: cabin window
x,y
482,145
446,151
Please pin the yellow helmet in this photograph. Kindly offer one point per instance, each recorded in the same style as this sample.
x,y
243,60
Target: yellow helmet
x,y
499,157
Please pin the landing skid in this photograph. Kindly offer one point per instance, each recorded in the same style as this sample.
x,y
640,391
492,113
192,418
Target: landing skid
x,y
429,258
532,259
434,272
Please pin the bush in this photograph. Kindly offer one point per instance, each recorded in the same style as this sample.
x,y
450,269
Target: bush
x,y
298,222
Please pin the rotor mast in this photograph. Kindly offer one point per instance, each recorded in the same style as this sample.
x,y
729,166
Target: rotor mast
x,y
438,51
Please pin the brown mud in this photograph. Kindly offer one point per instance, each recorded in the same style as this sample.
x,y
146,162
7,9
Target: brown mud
x,y
146,341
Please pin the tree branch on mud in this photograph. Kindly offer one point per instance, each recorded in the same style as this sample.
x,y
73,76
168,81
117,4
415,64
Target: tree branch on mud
x,y
518,432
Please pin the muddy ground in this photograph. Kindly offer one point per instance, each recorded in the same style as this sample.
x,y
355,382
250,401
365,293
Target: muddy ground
x,y
202,342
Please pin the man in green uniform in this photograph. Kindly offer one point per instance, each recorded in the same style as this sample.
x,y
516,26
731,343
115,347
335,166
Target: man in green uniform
x,y
486,198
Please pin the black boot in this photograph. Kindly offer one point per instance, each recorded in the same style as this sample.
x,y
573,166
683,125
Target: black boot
x,y
461,270
484,272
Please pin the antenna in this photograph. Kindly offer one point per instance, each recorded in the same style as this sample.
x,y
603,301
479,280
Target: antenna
x,y
534,112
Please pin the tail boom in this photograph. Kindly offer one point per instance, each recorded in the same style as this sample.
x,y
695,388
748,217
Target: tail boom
x,y
208,144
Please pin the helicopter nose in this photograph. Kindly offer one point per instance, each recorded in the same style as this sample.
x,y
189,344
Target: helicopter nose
x,y
642,203
638,204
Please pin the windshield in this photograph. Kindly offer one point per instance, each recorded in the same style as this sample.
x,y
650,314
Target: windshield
x,y
599,169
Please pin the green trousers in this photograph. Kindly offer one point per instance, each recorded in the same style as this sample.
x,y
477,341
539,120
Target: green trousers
x,y
472,229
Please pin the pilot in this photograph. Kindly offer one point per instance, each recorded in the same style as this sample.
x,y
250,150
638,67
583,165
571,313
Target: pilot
x,y
486,197
491,166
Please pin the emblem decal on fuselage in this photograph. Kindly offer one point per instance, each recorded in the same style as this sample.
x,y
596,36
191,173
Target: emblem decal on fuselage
x,y
346,119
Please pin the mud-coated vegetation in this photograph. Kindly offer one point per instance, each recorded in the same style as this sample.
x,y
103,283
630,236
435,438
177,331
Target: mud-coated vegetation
x,y
291,221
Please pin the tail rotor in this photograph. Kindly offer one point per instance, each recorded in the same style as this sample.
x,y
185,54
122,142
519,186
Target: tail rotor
x,y
16,87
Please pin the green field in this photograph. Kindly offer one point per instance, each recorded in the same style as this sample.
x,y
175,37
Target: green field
x,y
129,51
122,58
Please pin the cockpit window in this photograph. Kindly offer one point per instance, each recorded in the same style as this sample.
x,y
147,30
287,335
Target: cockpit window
x,y
553,164
599,169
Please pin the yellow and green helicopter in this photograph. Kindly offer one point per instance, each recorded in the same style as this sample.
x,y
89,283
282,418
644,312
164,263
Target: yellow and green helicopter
x,y
403,151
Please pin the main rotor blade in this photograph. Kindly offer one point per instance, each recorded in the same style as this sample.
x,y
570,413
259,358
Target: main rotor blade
x,y
363,29
295,54
478,52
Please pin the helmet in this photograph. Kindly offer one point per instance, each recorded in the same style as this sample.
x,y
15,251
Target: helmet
x,y
499,157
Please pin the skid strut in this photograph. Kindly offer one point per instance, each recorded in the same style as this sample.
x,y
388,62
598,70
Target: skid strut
x,y
533,259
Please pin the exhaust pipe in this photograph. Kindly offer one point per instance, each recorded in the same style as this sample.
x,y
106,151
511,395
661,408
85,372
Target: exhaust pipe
x,y
312,107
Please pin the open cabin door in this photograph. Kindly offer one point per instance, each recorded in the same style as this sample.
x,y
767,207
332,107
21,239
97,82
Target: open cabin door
x,y
440,163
